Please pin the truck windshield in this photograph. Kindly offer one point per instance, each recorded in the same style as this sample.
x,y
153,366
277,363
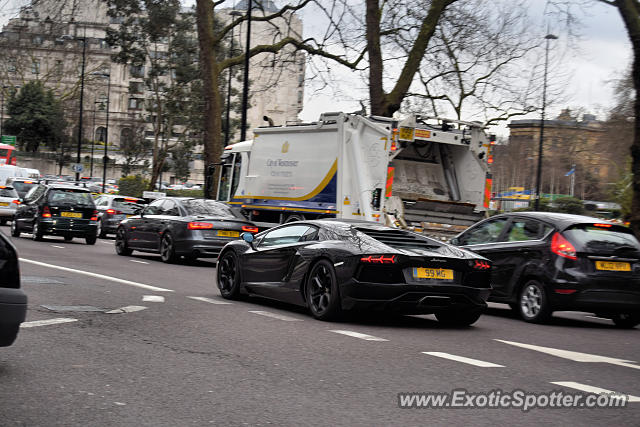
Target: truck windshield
x,y
229,177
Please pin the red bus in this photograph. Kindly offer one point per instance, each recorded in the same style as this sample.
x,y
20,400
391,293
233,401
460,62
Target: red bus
x,y
7,155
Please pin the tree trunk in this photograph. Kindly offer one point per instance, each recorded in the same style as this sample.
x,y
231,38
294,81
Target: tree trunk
x,y
376,90
631,16
212,138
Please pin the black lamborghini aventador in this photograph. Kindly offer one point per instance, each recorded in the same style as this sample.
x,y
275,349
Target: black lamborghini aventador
x,y
335,265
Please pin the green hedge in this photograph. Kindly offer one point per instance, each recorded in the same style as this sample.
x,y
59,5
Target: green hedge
x,y
185,193
132,185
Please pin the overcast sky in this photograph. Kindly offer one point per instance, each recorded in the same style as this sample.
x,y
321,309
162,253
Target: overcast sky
x,y
603,54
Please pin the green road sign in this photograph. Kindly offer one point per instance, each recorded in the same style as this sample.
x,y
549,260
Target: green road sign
x,y
8,139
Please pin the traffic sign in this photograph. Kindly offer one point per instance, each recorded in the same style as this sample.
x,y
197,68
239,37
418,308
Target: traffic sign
x,y
77,167
8,139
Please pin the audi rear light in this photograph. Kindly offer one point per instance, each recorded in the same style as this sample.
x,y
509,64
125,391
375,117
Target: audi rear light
x,y
250,228
561,246
481,265
199,226
379,259
113,212
46,213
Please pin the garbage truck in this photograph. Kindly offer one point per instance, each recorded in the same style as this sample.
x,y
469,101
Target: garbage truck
x,y
423,173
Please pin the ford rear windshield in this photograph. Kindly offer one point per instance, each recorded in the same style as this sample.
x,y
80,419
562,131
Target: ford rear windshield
x,y
7,192
602,238
73,197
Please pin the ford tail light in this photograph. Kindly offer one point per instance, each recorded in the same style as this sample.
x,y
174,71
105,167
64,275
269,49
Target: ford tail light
x,y
561,246
379,259
94,217
199,226
250,228
46,213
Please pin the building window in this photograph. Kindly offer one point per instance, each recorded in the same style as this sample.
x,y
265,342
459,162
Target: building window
x,y
136,87
35,66
102,43
101,134
300,97
136,71
116,20
11,65
135,103
37,40
58,68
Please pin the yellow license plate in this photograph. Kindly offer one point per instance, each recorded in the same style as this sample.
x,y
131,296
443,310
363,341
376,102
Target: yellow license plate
x,y
226,233
433,273
4,204
71,214
613,266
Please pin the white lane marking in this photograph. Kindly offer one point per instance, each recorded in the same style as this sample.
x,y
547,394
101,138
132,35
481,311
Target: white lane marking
x,y
139,262
99,276
595,390
474,362
107,243
574,355
47,322
358,335
210,300
56,246
153,298
598,318
275,316
127,309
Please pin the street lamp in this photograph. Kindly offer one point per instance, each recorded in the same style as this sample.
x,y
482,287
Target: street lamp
x,y
84,54
93,136
245,85
544,105
227,132
105,159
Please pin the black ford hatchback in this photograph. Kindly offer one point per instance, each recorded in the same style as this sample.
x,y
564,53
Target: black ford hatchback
x,y
545,262
57,209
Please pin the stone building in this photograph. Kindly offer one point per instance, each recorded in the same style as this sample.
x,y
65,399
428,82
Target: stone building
x,y
45,42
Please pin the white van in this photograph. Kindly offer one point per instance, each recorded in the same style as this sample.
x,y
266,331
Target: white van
x,y
8,171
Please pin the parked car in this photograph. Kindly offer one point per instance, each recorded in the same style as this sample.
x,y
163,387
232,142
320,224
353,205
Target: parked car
x,y
181,226
545,262
330,266
57,209
13,301
21,185
8,203
113,209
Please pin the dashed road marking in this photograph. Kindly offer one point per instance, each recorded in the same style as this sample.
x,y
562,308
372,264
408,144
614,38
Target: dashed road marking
x,y
210,300
275,316
358,335
96,275
139,262
574,355
153,298
595,390
474,362
127,309
56,321
57,246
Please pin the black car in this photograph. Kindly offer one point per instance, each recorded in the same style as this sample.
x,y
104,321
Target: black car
x,y
181,226
113,209
13,302
57,209
545,262
330,266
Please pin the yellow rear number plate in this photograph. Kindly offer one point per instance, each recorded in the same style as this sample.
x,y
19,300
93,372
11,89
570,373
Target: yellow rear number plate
x,y
613,266
227,233
71,214
433,273
4,204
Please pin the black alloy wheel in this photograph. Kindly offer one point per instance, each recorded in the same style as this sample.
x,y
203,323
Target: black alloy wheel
x,y
167,249
228,275
15,230
37,233
323,297
122,248
533,303
100,229
626,321
459,319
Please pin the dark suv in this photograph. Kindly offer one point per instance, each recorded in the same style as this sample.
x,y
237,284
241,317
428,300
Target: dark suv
x,y
57,209
545,262
113,209
13,302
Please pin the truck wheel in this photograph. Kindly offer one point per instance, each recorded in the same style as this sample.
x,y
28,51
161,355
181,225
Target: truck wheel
x,y
293,218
